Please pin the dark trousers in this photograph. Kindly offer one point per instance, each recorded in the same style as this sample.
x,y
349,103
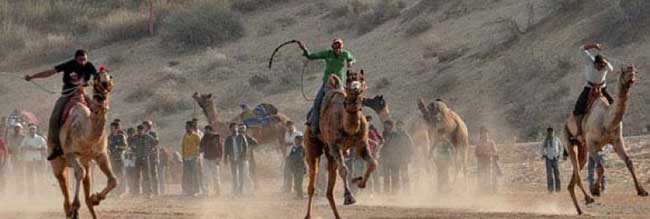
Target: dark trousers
x,y
314,113
581,104
118,170
298,174
190,177
391,178
132,180
55,120
153,174
143,175
552,175
238,177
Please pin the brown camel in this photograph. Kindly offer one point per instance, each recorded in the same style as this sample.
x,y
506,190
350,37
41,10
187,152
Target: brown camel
x,y
83,140
264,135
441,120
343,127
602,125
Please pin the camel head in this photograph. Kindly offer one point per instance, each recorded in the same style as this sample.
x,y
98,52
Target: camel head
x,y
434,112
202,99
627,76
377,103
355,89
102,87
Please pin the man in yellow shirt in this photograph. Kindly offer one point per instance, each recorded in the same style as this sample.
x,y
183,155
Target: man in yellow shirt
x,y
190,147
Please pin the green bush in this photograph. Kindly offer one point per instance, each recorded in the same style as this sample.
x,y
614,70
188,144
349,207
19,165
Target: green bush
x,y
203,25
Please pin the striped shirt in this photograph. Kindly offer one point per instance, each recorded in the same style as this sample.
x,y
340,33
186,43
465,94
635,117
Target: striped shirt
x,y
143,145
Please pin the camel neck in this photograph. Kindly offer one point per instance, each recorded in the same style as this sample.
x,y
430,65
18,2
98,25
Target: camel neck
x,y
617,111
352,122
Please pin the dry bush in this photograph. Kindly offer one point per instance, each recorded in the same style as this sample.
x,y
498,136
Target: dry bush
x,y
237,93
382,12
286,21
382,83
140,94
417,27
266,29
365,16
202,25
115,58
12,39
259,81
246,6
167,103
121,25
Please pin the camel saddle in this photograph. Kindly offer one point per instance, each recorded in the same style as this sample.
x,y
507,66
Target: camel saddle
x,y
595,93
78,97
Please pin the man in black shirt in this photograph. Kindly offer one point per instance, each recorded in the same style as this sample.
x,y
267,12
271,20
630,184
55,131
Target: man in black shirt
x,y
76,73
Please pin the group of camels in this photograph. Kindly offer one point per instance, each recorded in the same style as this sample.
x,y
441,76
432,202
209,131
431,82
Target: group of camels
x,y
343,126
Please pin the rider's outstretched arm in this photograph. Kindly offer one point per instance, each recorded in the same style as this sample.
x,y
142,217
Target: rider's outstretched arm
x,y
43,74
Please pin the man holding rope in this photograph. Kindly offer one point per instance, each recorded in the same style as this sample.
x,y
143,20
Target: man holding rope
x,y
76,73
336,59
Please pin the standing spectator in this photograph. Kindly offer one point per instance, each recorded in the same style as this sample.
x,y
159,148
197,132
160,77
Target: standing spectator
x,y
212,150
4,156
143,145
15,160
249,163
32,149
154,160
392,154
163,166
116,148
129,164
376,141
443,154
486,154
289,139
551,150
297,167
597,163
406,155
190,147
235,148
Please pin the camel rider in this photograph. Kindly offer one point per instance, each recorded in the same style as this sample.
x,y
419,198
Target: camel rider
x,y
336,59
595,75
76,73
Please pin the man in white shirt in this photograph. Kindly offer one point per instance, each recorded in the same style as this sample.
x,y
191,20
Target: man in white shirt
x,y
551,150
289,138
596,76
32,149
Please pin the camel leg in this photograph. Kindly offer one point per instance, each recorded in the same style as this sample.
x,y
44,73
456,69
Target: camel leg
x,y
105,166
312,162
619,147
600,171
337,153
87,183
80,174
583,155
331,182
372,165
61,174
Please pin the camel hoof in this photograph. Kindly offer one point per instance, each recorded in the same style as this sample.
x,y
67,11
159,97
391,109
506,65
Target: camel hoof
x,y
307,217
349,199
360,182
642,193
589,200
595,192
95,199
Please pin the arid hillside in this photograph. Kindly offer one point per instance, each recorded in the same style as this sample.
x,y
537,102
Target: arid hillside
x,y
510,65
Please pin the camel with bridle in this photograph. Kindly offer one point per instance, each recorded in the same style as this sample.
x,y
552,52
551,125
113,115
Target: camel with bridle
x,y
343,128
267,134
438,120
601,125
83,140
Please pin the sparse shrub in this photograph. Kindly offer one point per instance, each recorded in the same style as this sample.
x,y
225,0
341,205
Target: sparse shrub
x,y
139,94
384,11
167,103
10,39
266,29
122,25
259,81
286,21
203,25
115,58
237,93
418,27
382,83
247,6
450,55
173,63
